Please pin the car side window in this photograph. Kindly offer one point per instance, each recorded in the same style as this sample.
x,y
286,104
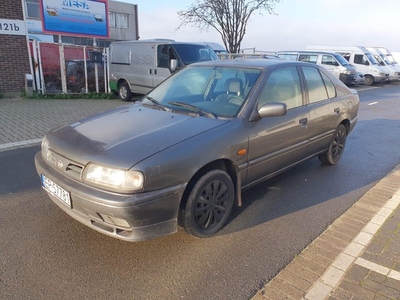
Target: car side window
x,y
330,87
320,87
283,85
329,60
164,55
360,59
308,58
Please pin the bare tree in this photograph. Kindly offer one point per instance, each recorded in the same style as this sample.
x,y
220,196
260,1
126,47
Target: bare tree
x,y
228,17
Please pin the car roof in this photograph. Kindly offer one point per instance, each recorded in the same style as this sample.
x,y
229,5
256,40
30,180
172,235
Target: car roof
x,y
307,52
249,63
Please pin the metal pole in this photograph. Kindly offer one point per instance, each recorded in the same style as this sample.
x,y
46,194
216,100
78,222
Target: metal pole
x,y
96,71
27,44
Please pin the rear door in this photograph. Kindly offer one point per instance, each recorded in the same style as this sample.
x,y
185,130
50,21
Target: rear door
x,y
325,107
278,142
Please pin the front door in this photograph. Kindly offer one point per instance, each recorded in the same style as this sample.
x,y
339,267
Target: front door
x,y
278,142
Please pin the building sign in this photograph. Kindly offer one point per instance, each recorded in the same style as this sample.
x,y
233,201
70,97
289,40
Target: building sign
x,y
14,27
35,31
87,18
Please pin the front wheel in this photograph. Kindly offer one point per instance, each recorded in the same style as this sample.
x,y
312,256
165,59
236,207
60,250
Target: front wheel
x,y
124,92
336,147
368,80
209,204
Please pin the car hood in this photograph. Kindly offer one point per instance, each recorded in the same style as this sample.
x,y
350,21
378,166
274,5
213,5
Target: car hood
x,y
125,136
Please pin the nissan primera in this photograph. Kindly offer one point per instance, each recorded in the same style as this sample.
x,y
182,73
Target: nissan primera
x,y
183,154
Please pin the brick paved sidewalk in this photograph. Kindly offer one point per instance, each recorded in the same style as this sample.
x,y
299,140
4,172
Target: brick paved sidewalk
x,y
357,257
24,122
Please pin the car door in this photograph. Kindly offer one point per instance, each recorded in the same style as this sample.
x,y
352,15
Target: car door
x,y
331,64
325,108
278,142
164,54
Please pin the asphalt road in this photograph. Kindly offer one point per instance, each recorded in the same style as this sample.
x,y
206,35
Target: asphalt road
x,y
44,254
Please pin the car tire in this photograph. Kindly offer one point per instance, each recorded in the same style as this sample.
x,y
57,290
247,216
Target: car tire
x,y
336,147
209,204
124,92
368,80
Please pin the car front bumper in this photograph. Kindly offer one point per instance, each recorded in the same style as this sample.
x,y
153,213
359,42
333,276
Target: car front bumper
x,y
347,78
129,217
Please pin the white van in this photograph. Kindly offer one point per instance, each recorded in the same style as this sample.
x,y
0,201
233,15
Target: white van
x,y
138,66
384,60
392,57
363,60
332,61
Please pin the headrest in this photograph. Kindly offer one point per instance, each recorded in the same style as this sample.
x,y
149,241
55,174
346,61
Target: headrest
x,y
234,85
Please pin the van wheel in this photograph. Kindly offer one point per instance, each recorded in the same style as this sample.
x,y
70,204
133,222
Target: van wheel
x,y
368,80
124,92
336,147
209,204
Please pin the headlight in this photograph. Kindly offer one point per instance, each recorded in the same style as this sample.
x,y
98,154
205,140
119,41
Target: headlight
x,y
47,154
382,74
114,179
45,146
347,72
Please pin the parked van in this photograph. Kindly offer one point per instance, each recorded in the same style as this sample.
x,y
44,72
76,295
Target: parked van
x,y
389,55
362,59
332,61
138,66
383,60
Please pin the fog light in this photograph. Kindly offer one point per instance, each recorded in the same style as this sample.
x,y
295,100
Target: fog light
x,y
115,221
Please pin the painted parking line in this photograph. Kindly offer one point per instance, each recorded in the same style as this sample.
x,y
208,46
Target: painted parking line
x,y
20,144
350,255
378,268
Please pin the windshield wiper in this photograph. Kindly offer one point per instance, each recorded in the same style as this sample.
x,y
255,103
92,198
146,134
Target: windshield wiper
x,y
193,108
156,103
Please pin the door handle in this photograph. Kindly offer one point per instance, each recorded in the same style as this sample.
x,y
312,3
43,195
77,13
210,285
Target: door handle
x,y
337,110
303,122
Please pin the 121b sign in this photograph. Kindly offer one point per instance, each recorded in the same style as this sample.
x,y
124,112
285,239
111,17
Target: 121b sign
x,y
13,27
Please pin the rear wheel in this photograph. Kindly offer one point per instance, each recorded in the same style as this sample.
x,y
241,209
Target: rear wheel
x,y
209,204
336,147
368,80
124,92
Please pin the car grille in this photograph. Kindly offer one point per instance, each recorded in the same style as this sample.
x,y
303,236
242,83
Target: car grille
x,y
65,166
74,170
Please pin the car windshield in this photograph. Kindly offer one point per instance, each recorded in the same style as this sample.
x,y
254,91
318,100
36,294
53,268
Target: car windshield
x,y
194,53
206,91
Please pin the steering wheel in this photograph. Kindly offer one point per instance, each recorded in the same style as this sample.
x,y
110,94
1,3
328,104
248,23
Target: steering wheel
x,y
235,100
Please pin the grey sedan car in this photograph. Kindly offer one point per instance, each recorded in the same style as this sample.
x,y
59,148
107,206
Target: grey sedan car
x,y
183,154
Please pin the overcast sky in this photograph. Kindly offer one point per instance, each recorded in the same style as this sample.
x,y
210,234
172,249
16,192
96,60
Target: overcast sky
x,y
297,23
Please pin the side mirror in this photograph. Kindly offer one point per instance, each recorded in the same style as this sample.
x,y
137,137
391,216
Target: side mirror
x,y
269,109
173,64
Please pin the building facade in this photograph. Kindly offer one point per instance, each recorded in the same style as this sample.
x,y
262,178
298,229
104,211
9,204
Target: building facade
x,y
14,54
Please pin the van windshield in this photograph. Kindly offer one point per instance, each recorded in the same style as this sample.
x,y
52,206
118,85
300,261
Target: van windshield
x,y
194,53
371,58
342,60
391,59
386,59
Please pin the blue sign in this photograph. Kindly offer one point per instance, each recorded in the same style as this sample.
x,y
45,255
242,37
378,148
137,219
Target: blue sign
x,y
87,18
